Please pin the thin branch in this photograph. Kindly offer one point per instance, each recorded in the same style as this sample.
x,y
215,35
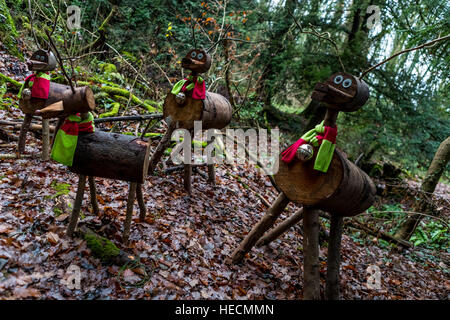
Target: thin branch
x,y
31,24
428,44
325,36
59,60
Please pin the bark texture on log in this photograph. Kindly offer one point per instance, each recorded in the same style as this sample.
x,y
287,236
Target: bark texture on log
x,y
344,190
82,101
215,111
311,276
111,155
258,230
334,258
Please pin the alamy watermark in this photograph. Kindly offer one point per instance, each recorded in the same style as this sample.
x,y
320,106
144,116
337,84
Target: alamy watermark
x,y
235,146
374,277
73,17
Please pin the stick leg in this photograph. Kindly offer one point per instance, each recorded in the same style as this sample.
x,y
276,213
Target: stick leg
x,y
130,203
281,228
77,205
162,146
212,174
211,167
311,275
334,258
93,193
140,198
187,178
45,139
23,133
255,234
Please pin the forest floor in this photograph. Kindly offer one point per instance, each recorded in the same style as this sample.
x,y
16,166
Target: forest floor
x,y
184,241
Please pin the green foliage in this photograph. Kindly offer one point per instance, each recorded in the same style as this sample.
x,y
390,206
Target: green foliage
x,y
60,188
432,235
8,32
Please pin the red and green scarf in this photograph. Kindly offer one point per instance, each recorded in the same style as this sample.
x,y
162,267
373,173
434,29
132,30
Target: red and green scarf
x,y
66,138
194,83
321,135
39,83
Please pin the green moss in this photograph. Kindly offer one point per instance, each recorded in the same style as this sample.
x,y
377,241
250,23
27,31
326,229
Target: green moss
x,y
6,79
101,247
107,68
125,93
114,110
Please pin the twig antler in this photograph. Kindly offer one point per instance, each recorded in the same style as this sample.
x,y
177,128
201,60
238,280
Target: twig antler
x,y
325,36
60,61
424,45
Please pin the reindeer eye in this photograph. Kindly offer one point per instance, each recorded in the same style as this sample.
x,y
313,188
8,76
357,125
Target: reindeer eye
x,y
347,83
200,56
38,57
42,58
338,79
193,54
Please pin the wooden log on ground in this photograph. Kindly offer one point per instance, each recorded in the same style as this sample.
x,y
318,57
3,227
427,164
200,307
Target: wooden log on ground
x,y
80,101
258,230
129,118
214,112
344,190
111,155
77,205
334,258
311,276
281,228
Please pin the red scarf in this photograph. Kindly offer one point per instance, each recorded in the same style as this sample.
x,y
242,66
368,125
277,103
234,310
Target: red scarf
x,y
41,86
199,91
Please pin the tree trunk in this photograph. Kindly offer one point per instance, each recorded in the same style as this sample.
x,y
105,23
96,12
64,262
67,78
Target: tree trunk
x,y
422,205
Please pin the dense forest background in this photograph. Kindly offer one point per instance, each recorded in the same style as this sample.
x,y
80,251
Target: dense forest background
x,y
268,66
267,57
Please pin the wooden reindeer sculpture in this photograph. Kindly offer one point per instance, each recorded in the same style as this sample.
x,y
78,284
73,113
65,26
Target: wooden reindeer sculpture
x,y
319,179
40,96
187,102
112,156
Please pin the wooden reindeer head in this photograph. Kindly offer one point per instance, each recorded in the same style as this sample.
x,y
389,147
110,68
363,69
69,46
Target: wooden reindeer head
x,y
42,60
342,92
197,60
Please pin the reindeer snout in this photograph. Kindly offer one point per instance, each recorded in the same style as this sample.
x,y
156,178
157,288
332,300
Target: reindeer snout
x,y
186,60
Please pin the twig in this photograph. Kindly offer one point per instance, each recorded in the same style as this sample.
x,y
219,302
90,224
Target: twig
x,y
31,24
60,60
56,18
424,45
321,36
83,55
130,118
